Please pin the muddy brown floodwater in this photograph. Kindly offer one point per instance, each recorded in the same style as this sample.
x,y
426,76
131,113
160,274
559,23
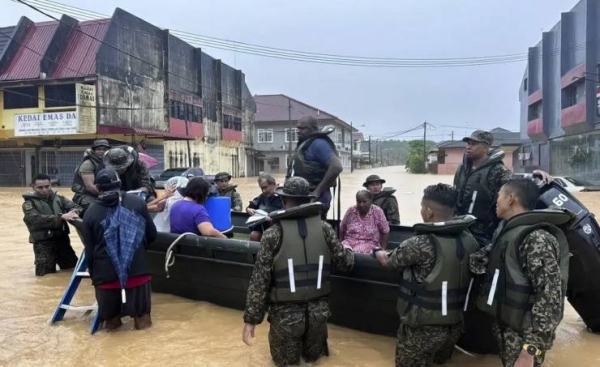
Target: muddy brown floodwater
x,y
190,333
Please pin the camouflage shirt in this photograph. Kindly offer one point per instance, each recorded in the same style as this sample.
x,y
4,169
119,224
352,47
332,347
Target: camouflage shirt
x,y
236,198
417,252
36,221
260,282
390,208
539,254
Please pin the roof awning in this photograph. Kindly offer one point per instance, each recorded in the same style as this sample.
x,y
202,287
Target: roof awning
x,y
110,129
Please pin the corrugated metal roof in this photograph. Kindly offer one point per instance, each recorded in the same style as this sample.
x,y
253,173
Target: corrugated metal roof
x,y
79,58
5,34
26,63
275,108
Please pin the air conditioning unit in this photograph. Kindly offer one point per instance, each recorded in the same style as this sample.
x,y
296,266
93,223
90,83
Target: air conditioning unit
x,y
282,147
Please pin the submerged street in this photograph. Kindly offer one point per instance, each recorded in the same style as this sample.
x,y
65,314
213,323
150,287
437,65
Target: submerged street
x,y
189,333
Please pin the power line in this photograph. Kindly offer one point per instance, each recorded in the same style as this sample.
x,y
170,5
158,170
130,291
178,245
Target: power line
x,y
282,53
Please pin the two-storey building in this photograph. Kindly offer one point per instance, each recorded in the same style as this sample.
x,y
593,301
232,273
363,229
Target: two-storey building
x,y
276,135
65,83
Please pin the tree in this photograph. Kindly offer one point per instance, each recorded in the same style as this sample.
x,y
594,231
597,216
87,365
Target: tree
x,y
416,160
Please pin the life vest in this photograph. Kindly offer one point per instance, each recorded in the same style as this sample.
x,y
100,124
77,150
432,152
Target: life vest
x,y
474,194
381,197
78,186
507,293
228,192
302,264
50,206
311,171
441,298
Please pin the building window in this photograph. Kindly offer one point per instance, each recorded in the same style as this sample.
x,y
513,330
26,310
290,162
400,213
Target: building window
x,y
340,137
185,111
62,95
265,135
26,97
294,135
232,123
572,94
535,111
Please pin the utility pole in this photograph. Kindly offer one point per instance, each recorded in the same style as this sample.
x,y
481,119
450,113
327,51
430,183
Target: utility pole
x,y
370,151
290,136
452,135
351,148
425,144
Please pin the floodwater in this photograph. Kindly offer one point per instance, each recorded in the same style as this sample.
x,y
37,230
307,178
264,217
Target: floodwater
x,y
190,333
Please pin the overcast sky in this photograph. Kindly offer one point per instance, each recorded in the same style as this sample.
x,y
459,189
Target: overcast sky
x,y
385,100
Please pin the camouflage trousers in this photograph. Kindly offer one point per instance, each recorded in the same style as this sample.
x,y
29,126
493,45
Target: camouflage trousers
x,y
298,331
510,344
49,253
418,347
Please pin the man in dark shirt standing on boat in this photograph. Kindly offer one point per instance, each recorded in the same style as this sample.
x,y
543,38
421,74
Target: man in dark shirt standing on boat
x,y
316,160
291,278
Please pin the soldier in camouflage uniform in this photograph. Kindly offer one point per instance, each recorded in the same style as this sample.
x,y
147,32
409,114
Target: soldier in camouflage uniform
x,y
225,189
526,275
383,198
478,181
85,174
298,306
435,279
133,172
46,216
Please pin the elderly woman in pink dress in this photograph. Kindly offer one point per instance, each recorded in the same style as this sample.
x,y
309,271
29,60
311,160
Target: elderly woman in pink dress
x,y
364,226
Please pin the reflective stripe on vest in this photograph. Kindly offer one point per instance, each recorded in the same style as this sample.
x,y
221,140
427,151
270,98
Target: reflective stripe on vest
x,y
507,293
441,297
302,265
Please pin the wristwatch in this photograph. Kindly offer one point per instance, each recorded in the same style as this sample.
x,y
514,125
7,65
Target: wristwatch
x,y
532,350
375,250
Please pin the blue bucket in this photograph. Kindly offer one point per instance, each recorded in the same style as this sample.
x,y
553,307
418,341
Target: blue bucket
x,y
219,210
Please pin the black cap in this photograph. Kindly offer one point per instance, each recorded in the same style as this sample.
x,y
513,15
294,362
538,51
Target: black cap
x,y
107,179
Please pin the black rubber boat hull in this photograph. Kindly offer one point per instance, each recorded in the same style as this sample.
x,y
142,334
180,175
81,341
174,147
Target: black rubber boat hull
x,y
218,271
205,271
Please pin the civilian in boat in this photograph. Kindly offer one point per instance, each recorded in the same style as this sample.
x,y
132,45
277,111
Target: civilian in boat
x,y
316,160
435,278
222,180
158,204
268,201
291,278
162,220
119,292
383,198
190,215
364,226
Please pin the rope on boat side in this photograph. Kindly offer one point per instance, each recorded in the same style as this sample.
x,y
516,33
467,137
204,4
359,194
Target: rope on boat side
x,y
169,257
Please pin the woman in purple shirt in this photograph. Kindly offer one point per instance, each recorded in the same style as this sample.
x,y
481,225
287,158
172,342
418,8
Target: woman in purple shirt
x,y
190,215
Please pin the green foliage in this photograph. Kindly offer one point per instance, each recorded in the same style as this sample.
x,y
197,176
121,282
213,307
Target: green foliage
x,y
416,163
